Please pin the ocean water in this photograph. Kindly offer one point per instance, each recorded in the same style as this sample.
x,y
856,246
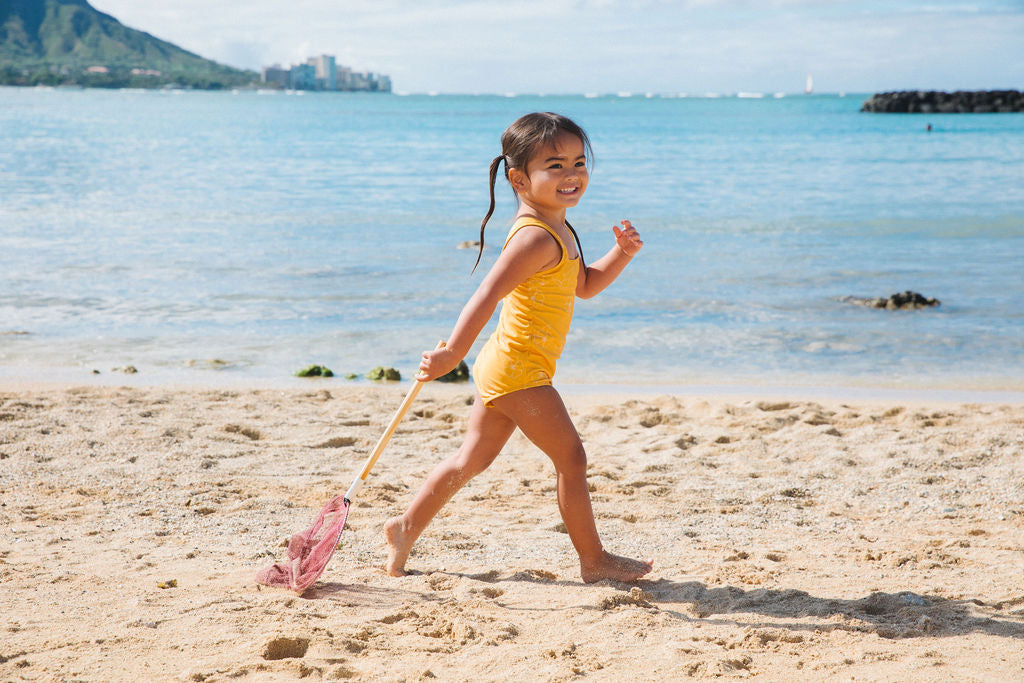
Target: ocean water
x,y
237,237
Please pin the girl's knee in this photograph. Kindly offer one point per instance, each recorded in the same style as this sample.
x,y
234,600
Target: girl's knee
x,y
572,462
472,463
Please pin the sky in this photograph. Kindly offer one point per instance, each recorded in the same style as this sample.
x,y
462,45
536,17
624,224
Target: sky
x,y
612,46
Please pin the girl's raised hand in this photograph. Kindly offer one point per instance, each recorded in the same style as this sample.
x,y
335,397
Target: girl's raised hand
x,y
627,238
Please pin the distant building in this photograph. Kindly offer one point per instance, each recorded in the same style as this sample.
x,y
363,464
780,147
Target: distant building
x,y
276,76
302,77
344,77
359,81
326,72
323,73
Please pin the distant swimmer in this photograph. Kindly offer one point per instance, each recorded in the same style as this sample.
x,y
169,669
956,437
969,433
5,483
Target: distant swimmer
x,y
928,128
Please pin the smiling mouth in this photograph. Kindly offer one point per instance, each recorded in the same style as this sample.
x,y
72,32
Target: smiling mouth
x,y
568,190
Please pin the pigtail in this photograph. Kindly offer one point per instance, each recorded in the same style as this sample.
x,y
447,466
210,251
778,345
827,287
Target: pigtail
x,y
490,210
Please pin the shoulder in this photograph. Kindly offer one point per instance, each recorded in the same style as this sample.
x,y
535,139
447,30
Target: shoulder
x,y
533,230
535,239
528,251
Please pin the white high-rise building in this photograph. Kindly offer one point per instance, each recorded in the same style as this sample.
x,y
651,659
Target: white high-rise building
x,y
326,72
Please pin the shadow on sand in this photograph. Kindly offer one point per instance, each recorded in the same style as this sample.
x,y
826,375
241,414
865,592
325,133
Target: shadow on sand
x,y
890,615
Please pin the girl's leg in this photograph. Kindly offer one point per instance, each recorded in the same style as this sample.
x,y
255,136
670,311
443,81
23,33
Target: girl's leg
x,y
542,417
488,431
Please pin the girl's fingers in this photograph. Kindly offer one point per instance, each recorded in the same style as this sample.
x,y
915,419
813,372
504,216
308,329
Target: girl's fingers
x,y
429,358
424,371
628,229
627,238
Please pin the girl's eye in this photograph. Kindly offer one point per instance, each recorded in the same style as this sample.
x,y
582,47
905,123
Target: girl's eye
x,y
580,164
555,166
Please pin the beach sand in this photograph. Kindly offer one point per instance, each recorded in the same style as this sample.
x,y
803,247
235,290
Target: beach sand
x,y
793,539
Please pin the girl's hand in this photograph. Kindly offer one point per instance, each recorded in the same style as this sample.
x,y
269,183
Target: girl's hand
x,y
436,363
627,239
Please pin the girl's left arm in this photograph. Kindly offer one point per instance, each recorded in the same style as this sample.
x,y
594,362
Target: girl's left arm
x,y
594,278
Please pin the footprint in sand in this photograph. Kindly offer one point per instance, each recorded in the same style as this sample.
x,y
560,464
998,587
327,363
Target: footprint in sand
x,y
248,432
440,583
731,666
635,597
686,441
534,575
285,648
398,616
489,576
772,407
767,638
337,442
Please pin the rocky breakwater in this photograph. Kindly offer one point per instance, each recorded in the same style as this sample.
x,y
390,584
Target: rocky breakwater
x,y
936,102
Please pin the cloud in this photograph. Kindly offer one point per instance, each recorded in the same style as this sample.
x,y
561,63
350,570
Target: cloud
x,y
610,45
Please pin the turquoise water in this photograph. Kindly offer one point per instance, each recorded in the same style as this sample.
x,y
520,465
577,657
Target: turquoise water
x,y
168,229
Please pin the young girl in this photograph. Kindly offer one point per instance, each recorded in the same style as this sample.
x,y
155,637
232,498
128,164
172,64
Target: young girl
x,y
537,276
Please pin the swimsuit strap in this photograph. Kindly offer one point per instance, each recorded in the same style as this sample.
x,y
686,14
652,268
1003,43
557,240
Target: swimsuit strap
x,y
527,221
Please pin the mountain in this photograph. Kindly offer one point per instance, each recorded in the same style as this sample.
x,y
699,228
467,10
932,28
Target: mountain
x,y
70,42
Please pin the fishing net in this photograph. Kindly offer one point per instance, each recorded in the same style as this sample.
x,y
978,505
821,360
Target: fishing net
x,y
309,551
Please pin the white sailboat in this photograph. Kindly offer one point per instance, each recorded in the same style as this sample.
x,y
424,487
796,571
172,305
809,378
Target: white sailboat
x,y
809,88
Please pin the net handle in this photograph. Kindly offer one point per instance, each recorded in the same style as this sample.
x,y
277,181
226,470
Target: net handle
x,y
358,482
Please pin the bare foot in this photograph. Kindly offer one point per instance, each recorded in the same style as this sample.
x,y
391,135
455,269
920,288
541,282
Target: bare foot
x,y
614,567
399,545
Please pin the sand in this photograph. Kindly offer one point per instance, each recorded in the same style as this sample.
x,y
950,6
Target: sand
x,y
793,539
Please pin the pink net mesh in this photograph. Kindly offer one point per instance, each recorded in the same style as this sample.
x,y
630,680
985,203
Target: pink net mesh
x,y
308,553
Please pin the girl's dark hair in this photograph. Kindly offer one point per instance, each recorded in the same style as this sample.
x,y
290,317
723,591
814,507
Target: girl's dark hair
x,y
519,143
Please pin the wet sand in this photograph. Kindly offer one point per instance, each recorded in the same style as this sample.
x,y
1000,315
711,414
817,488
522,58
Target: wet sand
x,y
793,538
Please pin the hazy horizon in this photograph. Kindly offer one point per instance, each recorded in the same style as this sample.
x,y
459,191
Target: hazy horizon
x,y
610,46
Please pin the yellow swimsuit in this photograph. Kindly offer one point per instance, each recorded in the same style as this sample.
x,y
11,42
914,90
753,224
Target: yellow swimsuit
x,y
532,327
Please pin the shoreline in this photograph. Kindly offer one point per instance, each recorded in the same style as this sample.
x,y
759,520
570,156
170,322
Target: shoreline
x,y
852,391
834,393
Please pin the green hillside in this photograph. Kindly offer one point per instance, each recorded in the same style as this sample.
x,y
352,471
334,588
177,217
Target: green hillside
x,y
55,42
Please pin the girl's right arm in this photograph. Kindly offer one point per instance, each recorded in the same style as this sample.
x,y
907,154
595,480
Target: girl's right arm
x,y
529,251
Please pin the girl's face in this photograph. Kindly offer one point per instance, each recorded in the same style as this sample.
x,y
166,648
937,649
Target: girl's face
x,y
556,177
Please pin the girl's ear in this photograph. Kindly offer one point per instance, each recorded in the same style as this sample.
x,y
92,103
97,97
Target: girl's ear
x,y
517,179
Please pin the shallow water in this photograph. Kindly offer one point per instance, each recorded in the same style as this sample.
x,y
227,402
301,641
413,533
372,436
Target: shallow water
x,y
167,230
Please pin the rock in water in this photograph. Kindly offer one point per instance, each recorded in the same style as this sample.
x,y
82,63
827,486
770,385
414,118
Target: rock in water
x,y
381,372
315,371
910,299
459,374
903,300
